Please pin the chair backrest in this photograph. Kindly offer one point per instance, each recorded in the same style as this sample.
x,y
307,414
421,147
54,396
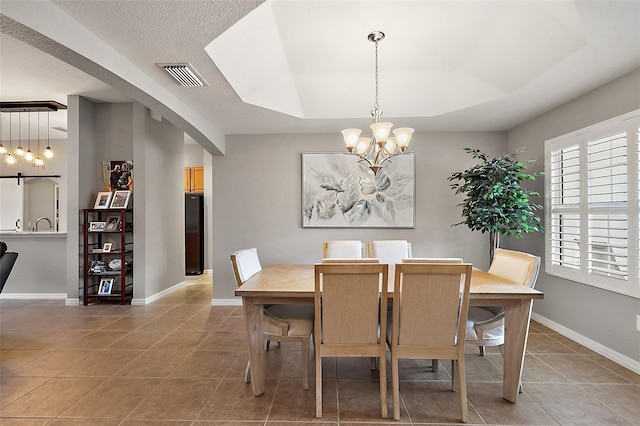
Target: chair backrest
x,y
245,264
430,305
347,302
516,266
433,260
345,249
346,260
390,251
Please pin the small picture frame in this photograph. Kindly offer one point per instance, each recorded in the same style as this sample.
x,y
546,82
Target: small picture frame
x,y
102,200
106,248
96,226
113,223
105,286
120,199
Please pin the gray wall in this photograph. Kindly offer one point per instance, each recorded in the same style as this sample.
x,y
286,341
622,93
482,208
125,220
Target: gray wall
x,y
605,317
257,198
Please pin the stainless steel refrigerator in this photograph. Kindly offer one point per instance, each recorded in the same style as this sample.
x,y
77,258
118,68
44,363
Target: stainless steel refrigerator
x,y
194,234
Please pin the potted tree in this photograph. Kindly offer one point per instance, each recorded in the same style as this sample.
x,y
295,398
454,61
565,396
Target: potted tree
x,y
494,200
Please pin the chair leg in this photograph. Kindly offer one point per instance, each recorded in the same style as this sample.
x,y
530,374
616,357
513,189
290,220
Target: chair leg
x,y
247,373
304,364
462,389
434,365
454,375
267,343
383,384
395,385
318,382
481,349
373,363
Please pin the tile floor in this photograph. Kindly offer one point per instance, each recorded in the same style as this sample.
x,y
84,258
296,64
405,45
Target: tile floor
x,y
180,361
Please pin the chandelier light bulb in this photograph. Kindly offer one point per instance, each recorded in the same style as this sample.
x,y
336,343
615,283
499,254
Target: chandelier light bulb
x,y
39,161
403,136
363,145
351,137
10,159
19,151
48,152
28,156
3,150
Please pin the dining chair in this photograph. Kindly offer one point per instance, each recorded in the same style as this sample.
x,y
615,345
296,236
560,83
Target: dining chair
x,y
434,362
485,324
430,304
345,249
346,260
350,304
282,323
390,251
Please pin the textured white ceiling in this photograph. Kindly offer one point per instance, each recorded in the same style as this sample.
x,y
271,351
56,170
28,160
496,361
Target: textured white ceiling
x,y
475,65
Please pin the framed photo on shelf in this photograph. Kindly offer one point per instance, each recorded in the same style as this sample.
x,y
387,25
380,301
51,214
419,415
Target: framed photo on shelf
x,y
102,200
106,248
105,286
113,223
96,226
120,199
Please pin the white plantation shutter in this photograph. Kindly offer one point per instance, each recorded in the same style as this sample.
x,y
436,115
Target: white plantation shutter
x,y
592,204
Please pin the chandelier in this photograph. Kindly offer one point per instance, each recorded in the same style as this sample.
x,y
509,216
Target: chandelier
x,y
25,111
380,147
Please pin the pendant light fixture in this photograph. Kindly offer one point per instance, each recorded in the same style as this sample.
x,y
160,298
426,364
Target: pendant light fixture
x,y
380,147
36,158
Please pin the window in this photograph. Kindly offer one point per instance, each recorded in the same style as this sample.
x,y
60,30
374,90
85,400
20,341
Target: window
x,y
592,204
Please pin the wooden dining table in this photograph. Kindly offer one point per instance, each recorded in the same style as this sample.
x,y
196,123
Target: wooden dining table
x,y
294,283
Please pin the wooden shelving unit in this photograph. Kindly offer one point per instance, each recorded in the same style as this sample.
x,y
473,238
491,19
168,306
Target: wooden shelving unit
x,y
96,261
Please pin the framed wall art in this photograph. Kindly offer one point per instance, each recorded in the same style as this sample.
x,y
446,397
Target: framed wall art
x,y
105,286
340,191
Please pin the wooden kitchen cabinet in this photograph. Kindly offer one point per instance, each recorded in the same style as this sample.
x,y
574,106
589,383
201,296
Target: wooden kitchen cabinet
x,y
194,179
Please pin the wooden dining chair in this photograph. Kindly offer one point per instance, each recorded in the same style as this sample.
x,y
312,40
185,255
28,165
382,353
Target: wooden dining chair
x,y
390,251
282,323
485,324
345,260
428,322
345,249
350,304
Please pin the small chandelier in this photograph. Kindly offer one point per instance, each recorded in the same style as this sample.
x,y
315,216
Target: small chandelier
x,y
381,146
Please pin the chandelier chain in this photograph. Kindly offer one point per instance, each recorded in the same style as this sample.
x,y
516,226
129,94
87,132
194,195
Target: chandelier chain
x,y
375,105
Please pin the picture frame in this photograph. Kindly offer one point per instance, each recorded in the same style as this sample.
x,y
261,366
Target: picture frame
x,y
120,199
105,286
339,190
102,200
106,248
96,226
112,224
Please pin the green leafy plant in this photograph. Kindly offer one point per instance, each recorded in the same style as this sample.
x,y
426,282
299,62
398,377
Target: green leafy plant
x,y
494,200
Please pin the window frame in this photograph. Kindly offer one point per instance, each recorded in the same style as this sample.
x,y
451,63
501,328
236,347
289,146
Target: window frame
x,y
581,268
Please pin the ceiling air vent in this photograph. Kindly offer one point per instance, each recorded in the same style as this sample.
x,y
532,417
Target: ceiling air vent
x,y
184,74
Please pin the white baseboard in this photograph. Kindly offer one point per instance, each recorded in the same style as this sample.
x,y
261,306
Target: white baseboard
x,y
157,296
72,302
30,296
606,352
226,302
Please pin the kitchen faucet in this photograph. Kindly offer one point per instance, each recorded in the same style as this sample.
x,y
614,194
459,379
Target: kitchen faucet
x,y
35,228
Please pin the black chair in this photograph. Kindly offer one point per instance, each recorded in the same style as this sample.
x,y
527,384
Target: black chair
x,y
7,260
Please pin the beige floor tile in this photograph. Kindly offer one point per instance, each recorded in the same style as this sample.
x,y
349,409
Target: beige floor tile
x,y
539,344
154,363
176,399
102,363
569,404
224,341
571,344
13,359
138,339
234,400
623,399
433,402
24,422
581,369
487,400
14,387
616,368
84,422
115,398
205,320
97,340
292,403
155,423
185,339
53,363
359,401
52,397
209,364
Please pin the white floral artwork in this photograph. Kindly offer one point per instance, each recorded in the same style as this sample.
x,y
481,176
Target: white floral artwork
x,y
340,191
